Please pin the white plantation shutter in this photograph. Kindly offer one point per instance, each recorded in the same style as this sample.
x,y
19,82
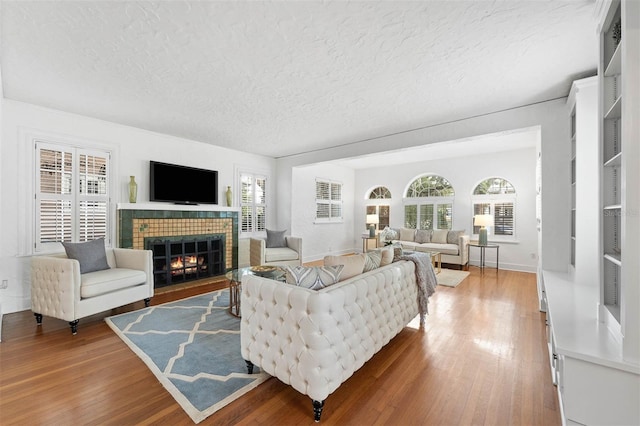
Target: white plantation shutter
x,y
71,195
253,200
503,219
328,201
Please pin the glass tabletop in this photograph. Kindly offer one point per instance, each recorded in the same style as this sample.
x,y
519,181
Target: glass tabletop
x,y
276,273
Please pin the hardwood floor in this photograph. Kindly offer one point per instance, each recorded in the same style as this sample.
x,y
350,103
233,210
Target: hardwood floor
x,y
480,360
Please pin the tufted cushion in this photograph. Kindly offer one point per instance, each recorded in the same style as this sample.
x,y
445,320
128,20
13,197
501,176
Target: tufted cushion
x,y
372,260
407,234
452,236
314,277
423,236
439,236
353,265
91,255
276,239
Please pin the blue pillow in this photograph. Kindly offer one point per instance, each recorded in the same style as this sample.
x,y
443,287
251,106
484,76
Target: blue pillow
x,y
91,255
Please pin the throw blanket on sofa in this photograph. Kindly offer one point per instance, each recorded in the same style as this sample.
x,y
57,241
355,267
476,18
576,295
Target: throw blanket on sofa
x,y
425,278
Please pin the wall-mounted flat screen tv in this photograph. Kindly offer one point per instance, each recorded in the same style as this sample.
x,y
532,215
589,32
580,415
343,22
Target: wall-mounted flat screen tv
x,y
182,184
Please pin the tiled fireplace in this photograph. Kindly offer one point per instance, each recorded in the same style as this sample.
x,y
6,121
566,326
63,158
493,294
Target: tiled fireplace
x,y
140,223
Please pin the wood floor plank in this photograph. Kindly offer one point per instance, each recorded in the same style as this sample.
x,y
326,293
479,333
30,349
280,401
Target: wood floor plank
x,y
479,360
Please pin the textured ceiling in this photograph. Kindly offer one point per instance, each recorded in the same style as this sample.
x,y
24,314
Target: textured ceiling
x,y
280,78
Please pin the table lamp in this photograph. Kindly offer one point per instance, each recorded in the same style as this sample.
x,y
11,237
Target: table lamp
x,y
372,221
483,220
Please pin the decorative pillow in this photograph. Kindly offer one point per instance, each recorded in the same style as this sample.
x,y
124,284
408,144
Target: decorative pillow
x,y
371,260
91,255
314,277
423,236
388,234
276,239
452,236
439,236
353,265
397,251
407,234
387,255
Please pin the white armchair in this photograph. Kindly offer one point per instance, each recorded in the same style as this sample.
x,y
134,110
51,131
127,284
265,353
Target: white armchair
x,y
59,290
291,255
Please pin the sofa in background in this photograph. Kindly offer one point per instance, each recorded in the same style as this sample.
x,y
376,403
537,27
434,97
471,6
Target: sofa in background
x,y
314,340
60,290
453,245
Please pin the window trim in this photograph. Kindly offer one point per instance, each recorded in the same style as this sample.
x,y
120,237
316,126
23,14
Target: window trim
x,y
238,198
329,202
27,160
435,201
492,200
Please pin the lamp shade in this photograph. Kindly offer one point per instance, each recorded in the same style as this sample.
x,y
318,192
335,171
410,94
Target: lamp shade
x,y
372,218
483,220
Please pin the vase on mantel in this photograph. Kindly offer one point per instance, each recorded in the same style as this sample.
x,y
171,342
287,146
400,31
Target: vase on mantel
x,y
229,196
133,189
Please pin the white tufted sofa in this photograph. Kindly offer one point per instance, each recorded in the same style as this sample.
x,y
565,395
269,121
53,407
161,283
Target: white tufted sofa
x,y
59,290
315,340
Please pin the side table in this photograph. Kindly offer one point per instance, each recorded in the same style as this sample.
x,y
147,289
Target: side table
x,y
482,253
365,242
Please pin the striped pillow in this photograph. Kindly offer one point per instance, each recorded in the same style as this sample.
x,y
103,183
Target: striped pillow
x,y
372,260
314,277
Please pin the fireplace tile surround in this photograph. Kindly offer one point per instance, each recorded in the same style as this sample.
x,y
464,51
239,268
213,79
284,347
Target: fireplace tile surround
x,y
137,222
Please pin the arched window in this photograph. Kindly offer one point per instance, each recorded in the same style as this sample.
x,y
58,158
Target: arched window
x,y
497,197
379,192
379,206
428,203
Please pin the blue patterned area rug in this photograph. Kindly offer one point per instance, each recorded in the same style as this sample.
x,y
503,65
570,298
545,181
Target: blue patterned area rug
x,y
193,348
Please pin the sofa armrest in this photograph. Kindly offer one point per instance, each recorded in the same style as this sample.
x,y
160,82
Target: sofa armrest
x,y
463,246
257,247
141,260
295,244
55,286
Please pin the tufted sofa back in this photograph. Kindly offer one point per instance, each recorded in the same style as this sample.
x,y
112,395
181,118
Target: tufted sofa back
x,y
315,340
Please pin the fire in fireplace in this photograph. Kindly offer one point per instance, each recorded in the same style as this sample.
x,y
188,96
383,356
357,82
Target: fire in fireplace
x,y
188,265
181,259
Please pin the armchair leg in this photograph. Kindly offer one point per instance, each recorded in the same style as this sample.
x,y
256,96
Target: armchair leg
x,y
147,302
317,410
249,366
74,326
38,318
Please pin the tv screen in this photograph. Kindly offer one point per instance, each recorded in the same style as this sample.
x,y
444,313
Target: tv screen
x,y
182,184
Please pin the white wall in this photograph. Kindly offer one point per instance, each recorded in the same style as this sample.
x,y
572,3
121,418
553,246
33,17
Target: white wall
x,y
464,173
133,149
321,239
551,117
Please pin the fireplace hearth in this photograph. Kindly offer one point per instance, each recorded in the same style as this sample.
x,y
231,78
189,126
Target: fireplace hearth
x,y
186,258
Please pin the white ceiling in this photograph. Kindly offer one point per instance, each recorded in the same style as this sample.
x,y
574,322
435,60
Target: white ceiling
x,y
281,78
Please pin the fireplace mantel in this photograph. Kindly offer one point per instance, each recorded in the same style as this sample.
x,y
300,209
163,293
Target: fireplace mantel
x,y
178,207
